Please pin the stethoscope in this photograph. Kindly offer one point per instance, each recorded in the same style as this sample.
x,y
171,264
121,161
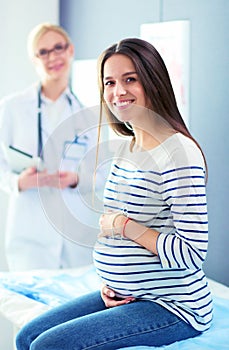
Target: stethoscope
x,y
39,119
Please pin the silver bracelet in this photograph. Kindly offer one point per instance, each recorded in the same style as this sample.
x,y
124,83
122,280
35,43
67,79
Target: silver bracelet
x,y
113,222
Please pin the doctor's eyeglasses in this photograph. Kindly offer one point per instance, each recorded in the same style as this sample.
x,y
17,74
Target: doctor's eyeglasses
x,y
58,49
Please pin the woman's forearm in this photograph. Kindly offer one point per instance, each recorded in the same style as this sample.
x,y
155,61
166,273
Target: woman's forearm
x,y
142,235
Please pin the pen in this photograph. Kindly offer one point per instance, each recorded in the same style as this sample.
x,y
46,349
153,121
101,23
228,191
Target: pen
x,y
18,150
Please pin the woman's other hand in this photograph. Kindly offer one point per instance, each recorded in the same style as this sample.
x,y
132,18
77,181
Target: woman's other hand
x,y
110,299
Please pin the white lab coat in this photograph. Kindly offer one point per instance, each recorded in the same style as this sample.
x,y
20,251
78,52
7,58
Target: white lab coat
x,y
46,227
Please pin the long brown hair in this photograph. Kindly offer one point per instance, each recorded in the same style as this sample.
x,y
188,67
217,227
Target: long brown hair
x,y
154,77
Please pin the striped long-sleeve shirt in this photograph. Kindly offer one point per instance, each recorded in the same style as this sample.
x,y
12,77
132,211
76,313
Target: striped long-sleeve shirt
x,y
163,189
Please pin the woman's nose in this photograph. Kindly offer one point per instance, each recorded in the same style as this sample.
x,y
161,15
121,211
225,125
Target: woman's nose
x,y
119,89
51,55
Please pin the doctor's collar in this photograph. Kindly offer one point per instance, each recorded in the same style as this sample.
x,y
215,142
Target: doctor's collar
x,y
66,94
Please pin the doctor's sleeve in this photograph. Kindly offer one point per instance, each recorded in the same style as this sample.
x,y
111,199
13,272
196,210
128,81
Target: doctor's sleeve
x,y
8,179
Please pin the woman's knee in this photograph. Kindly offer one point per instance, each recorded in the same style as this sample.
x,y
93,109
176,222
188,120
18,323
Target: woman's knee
x,y
28,333
23,339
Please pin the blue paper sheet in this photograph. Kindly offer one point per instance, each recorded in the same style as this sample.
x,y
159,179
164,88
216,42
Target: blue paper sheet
x,y
52,290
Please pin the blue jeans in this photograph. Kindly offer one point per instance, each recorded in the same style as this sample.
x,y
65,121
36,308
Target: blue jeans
x,y
85,323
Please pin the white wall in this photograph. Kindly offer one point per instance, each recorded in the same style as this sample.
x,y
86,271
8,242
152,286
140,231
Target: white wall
x,y
17,18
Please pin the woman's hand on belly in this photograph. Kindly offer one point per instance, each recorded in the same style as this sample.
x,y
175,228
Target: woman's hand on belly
x,y
110,299
111,224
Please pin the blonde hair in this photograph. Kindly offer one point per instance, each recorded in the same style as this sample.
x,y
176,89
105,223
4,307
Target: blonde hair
x,y
38,31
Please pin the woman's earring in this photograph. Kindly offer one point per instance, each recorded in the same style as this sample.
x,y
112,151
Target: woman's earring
x,y
128,126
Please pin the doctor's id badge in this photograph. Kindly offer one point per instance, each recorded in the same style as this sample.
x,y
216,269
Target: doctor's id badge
x,y
75,150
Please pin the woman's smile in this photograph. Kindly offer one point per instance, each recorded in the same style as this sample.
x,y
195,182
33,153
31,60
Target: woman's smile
x,y
123,104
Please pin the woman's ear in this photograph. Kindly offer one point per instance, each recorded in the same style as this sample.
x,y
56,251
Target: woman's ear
x,y
71,50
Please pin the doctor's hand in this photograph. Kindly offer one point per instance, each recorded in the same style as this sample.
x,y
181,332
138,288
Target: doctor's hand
x,y
30,178
63,179
110,299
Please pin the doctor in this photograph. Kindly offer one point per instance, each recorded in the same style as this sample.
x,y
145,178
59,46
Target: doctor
x,y
47,223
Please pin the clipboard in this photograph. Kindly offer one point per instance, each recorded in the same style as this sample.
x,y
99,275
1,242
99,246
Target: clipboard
x,y
19,160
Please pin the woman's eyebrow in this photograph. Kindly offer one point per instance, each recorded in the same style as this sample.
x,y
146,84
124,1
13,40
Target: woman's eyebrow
x,y
125,74
128,73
